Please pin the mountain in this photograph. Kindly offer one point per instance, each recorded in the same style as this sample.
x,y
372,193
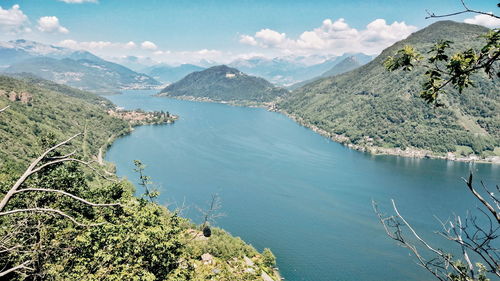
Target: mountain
x,y
92,75
223,83
373,109
169,74
286,71
79,69
343,66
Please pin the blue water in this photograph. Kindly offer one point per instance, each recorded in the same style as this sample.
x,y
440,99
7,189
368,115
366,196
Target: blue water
x,y
287,188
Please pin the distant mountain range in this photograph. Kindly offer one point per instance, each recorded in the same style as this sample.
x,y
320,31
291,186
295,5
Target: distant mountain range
x,y
373,109
343,66
170,74
79,69
223,83
287,71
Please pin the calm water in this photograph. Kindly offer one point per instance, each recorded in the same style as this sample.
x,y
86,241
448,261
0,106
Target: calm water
x,y
294,191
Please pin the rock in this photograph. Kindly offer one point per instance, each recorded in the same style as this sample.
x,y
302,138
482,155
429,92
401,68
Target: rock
x,y
207,258
248,261
266,277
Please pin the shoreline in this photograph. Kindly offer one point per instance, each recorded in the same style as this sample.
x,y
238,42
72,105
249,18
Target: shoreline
x,y
374,150
343,140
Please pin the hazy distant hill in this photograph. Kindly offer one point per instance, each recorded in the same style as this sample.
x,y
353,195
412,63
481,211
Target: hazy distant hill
x,y
286,71
345,65
372,107
79,69
222,83
170,74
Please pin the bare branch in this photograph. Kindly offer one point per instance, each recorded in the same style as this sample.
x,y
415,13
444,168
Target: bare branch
x,y
3,109
48,210
465,11
29,172
15,268
70,195
490,208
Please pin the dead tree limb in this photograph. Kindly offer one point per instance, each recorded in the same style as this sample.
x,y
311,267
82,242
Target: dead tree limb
x,y
24,265
466,10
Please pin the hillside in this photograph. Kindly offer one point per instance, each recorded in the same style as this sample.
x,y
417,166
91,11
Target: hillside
x,y
224,84
170,74
370,108
91,75
343,66
158,243
33,113
79,69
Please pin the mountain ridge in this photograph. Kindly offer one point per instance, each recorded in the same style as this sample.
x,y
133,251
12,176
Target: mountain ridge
x,y
371,109
76,68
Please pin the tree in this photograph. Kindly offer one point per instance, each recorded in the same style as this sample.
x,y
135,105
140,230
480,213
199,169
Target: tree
x,y
47,160
475,235
268,258
444,70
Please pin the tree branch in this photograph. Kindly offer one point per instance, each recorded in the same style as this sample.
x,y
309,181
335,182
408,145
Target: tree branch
x,y
3,109
17,267
483,201
69,195
48,210
467,10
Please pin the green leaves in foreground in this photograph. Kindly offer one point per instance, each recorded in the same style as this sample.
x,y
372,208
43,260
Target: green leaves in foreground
x,y
449,70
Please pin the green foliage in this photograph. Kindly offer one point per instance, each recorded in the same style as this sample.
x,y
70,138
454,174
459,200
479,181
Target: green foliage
x,y
145,181
268,258
137,240
56,112
372,107
222,83
405,58
455,70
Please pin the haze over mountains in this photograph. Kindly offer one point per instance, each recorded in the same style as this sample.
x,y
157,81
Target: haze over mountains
x,y
286,71
79,69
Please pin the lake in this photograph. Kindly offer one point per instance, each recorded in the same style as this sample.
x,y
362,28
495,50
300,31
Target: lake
x,y
287,188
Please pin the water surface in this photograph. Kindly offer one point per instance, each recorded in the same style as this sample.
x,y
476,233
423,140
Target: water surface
x,y
292,190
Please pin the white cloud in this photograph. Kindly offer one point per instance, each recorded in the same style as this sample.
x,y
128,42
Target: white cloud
x,y
13,20
148,45
51,25
78,1
333,37
130,45
248,40
270,37
95,46
484,20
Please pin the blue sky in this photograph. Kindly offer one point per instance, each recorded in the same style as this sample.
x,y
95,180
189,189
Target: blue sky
x,y
216,29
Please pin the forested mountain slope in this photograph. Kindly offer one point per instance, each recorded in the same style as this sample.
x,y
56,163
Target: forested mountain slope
x,y
371,108
135,240
222,83
40,108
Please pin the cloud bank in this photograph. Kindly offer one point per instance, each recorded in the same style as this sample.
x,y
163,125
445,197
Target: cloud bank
x,y
333,37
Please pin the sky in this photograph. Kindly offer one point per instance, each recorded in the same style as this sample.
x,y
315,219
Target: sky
x,y
175,31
